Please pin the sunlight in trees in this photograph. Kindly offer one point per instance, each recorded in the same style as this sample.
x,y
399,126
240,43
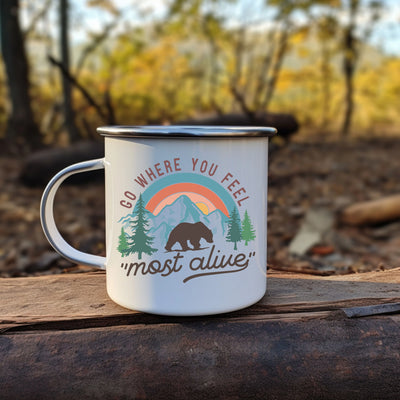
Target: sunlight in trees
x,y
309,58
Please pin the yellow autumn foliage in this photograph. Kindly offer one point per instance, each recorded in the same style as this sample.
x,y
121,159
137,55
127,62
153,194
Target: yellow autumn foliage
x,y
169,77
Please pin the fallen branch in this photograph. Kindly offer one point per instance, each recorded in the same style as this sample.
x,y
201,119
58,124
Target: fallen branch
x,y
372,212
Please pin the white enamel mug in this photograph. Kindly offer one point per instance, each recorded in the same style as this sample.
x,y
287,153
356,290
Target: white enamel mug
x,y
186,217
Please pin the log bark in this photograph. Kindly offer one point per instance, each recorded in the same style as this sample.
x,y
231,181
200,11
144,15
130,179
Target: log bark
x,y
372,212
317,359
61,337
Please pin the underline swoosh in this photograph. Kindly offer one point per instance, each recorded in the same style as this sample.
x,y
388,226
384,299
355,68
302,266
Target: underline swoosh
x,y
211,273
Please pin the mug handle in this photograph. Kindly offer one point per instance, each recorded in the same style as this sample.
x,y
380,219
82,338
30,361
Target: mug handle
x,y
47,216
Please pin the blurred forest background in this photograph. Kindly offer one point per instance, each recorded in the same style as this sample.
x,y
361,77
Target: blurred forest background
x,y
69,66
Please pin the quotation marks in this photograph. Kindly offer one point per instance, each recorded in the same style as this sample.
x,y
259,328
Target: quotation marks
x,y
251,254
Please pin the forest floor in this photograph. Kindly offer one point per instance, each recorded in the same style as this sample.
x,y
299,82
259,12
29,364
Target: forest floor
x,y
307,176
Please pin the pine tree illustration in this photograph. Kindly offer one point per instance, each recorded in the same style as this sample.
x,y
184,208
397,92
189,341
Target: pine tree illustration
x,y
234,228
248,232
140,242
123,243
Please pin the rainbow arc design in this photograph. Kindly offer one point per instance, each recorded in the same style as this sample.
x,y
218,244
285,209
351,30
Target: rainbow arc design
x,y
206,193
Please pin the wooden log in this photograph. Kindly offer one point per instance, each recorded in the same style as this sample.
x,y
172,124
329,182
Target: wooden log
x,y
286,124
320,358
372,212
41,166
71,341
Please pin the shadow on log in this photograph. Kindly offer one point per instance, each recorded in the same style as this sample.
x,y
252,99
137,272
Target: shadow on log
x,y
41,166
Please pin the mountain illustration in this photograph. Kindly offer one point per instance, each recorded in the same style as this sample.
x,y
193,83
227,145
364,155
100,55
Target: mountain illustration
x,y
181,210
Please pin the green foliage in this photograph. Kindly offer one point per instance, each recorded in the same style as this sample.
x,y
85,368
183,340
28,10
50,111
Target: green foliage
x,y
140,241
234,234
145,80
248,232
123,246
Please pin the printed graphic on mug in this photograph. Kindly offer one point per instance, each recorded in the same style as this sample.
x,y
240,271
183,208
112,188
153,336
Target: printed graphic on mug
x,y
193,223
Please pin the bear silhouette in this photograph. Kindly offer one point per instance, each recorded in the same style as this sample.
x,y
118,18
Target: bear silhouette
x,y
185,232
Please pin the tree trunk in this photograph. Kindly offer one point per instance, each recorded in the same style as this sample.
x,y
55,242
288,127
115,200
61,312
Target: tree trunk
x,y
21,128
349,64
69,114
275,68
214,69
348,70
326,84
